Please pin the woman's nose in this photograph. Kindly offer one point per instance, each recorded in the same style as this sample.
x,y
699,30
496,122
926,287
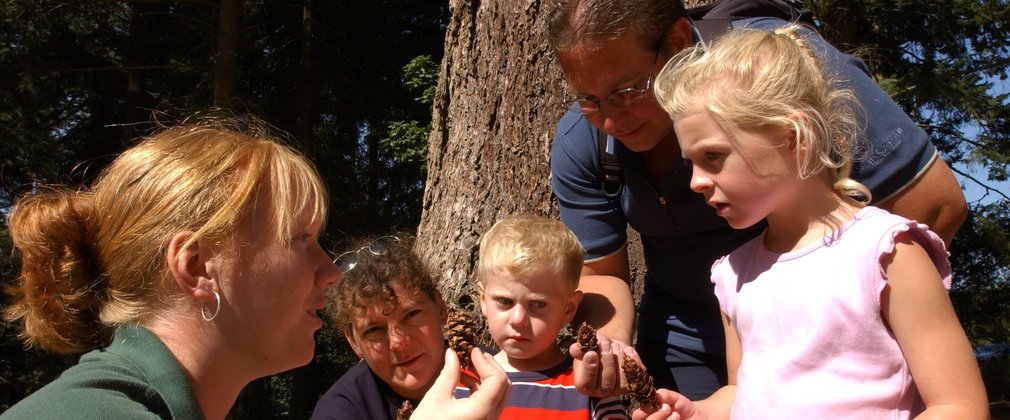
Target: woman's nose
x,y
398,339
328,276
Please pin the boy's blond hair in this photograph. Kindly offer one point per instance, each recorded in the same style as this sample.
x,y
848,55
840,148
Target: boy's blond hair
x,y
526,244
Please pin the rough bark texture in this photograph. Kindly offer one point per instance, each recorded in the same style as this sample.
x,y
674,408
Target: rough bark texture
x,y
499,96
226,55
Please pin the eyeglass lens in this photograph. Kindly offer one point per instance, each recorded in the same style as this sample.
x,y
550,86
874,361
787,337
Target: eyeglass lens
x,y
381,245
347,261
622,98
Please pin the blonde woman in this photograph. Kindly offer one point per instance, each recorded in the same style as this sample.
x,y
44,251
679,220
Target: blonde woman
x,y
190,268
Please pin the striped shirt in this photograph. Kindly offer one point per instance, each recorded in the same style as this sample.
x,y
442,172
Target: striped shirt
x,y
551,394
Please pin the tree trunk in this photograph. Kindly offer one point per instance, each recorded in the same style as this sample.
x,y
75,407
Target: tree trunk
x,y
306,85
226,54
137,105
499,95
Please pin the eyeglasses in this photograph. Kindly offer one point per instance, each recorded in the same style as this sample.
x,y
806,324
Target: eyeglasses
x,y
622,98
348,260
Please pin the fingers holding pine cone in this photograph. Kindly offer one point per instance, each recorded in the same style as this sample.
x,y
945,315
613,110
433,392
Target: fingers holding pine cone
x,y
461,331
586,338
639,382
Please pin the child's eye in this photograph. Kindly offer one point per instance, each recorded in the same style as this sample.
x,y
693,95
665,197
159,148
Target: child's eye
x,y
503,302
712,156
538,304
412,314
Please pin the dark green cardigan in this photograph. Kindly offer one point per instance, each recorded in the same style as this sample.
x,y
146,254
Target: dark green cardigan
x,y
136,377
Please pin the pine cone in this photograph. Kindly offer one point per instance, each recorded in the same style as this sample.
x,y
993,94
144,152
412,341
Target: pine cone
x,y
586,337
639,382
461,331
406,409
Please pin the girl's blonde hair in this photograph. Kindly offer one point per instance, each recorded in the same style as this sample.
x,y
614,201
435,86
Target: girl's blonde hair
x,y
753,80
526,244
94,258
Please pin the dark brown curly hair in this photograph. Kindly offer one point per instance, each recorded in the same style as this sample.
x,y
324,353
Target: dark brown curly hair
x,y
371,281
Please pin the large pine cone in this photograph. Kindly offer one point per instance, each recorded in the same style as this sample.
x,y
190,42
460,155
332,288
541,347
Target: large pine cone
x,y
639,384
586,337
406,409
461,331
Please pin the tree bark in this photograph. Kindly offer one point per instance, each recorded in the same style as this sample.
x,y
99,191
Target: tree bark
x,y
499,97
225,57
306,85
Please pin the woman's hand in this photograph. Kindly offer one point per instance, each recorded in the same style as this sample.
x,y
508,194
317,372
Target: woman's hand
x,y
598,374
488,394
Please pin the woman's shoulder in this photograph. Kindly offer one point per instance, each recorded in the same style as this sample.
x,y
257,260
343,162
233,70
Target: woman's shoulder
x,y
356,394
100,387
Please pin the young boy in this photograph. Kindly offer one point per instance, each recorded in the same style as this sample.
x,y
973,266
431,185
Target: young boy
x,y
529,274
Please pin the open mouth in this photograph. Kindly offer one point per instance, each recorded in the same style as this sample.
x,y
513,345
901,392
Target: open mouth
x,y
318,314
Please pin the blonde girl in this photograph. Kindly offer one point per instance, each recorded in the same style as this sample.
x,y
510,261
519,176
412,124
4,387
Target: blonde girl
x,y
837,310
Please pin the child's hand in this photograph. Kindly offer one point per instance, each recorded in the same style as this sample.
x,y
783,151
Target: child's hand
x,y
672,406
598,374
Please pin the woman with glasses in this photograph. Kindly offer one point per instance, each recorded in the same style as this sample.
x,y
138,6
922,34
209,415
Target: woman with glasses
x,y
391,313
608,53
190,268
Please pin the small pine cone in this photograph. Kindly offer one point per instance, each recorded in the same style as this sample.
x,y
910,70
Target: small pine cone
x,y
406,409
639,382
461,331
586,337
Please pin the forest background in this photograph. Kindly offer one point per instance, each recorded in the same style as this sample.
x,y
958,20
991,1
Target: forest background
x,y
434,119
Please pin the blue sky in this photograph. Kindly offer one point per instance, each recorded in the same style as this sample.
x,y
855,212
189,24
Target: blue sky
x,y
973,192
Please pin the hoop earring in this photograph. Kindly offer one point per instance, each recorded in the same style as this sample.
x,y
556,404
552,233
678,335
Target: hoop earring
x,y
217,308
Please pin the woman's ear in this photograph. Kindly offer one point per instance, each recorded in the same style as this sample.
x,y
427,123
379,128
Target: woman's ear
x,y
187,264
443,311
349,336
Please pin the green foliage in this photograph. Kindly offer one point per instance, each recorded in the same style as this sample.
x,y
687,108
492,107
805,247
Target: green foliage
x,y
944,61
980,255
406,141
421,73
84,79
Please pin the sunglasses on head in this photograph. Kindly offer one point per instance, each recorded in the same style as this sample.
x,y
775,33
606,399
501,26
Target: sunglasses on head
x,y
347,261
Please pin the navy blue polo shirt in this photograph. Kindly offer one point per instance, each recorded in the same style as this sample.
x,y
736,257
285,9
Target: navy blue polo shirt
x,y
681,235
